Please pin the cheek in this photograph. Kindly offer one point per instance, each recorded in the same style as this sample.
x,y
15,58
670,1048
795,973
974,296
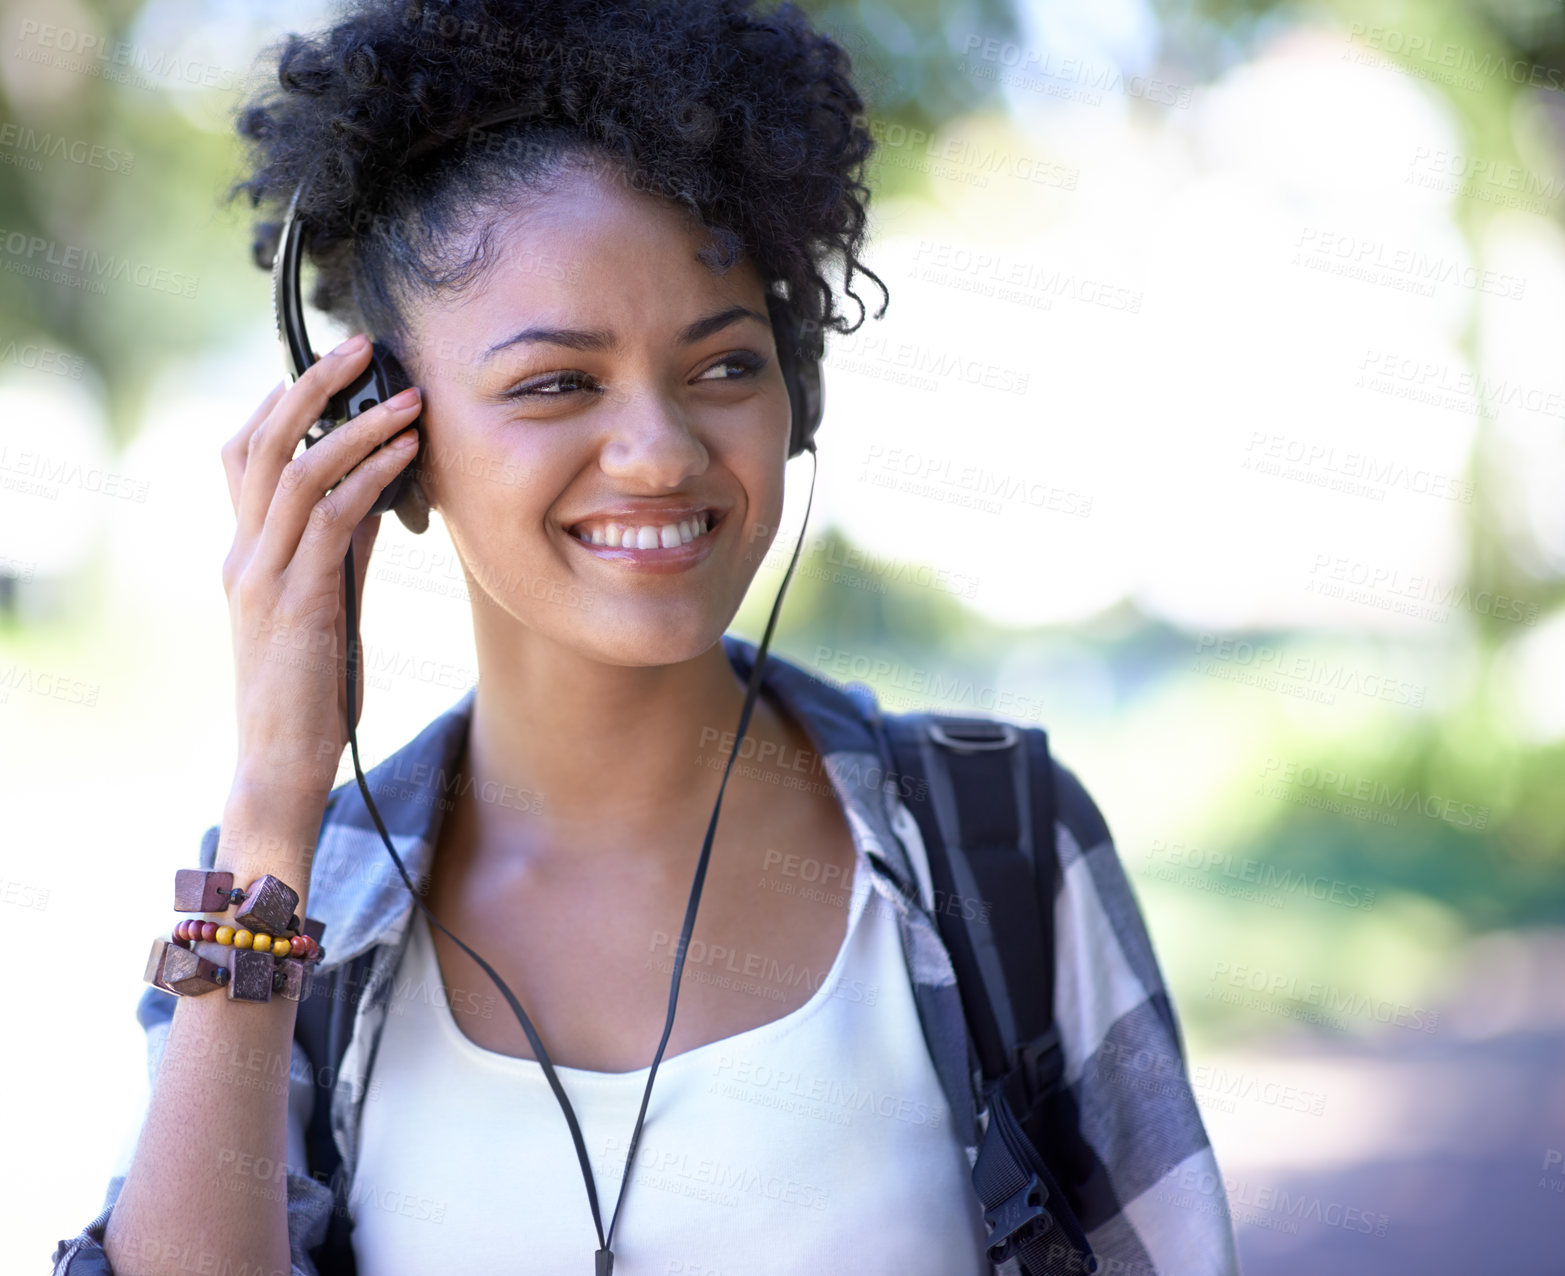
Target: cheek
x,y
764,489
477,480
771,475
478,474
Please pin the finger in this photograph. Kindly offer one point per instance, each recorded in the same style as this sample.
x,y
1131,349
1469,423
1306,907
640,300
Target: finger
x,y
235,450
332,520
276,439
305,481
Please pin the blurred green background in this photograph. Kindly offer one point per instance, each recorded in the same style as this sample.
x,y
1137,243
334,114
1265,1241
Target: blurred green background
x,y
1217,424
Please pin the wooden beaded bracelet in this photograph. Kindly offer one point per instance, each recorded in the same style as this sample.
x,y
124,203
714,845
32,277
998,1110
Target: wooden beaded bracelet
x,y
203,956
302,945
189,965
267,905
247,974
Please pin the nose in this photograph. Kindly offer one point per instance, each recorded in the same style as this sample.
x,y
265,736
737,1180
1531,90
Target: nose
x,y
650,444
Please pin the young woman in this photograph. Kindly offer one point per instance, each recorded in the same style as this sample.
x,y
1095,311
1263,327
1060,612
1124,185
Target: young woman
x,y
580,297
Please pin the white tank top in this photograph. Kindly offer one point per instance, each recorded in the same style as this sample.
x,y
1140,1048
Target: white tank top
x,y
819,1142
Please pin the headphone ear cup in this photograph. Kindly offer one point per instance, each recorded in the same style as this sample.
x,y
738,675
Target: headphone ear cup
x,y
402,494
812,396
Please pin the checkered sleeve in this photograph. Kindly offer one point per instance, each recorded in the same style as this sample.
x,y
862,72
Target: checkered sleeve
x,y
1157,1205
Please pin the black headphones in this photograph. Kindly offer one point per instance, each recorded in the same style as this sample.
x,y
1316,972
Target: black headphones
x,y
384,377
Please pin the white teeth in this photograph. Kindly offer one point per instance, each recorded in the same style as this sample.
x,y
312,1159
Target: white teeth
x,y
647,536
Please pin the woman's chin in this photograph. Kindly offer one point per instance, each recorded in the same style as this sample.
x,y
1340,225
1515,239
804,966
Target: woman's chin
x,y
635,639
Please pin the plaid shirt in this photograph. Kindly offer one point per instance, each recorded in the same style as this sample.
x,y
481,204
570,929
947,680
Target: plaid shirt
x,y
1124,1061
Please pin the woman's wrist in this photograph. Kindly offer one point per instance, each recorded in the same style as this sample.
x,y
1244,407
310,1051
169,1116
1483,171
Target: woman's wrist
x,y
266,829
270,762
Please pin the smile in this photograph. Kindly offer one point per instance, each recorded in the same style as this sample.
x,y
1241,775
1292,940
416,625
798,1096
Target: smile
x,y
623,534
670,545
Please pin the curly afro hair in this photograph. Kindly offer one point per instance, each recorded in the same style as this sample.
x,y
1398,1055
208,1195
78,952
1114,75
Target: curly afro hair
x,y
748,120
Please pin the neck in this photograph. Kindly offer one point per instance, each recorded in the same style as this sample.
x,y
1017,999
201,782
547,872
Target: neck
x,y
572,756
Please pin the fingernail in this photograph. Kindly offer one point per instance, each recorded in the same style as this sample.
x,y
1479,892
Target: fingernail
x,y
406,399
353,344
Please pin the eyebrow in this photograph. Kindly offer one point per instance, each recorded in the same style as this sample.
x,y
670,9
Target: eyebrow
x,y
601,339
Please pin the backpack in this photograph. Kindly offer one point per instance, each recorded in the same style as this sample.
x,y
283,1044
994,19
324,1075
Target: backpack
x,y
979,790
983,793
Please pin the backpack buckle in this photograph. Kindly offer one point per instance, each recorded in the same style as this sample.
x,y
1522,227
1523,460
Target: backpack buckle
x,y
1016,1218
1039,1063
972,735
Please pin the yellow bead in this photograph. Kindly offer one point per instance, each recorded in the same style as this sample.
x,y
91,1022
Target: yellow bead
x,y
243,939
262,943
225,934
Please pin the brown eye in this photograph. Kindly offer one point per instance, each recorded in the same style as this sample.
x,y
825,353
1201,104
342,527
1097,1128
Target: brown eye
x,y
747,362
561,383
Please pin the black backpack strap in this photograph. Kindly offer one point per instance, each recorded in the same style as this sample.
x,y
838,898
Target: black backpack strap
x,y
323,1026
986,816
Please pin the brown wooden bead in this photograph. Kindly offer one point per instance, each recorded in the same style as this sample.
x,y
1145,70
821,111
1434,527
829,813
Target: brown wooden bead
x,y
154,975
198,890
209,930
248,978
268,905
252,973
189,974
314,927
292,979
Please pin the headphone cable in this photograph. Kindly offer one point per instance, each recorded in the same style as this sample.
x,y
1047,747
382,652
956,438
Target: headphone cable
x,y
604,1257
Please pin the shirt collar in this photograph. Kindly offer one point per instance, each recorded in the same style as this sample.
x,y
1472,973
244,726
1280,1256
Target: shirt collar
x,y
357,891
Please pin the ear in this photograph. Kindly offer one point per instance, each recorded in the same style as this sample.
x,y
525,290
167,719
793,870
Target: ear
x,y
413,508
